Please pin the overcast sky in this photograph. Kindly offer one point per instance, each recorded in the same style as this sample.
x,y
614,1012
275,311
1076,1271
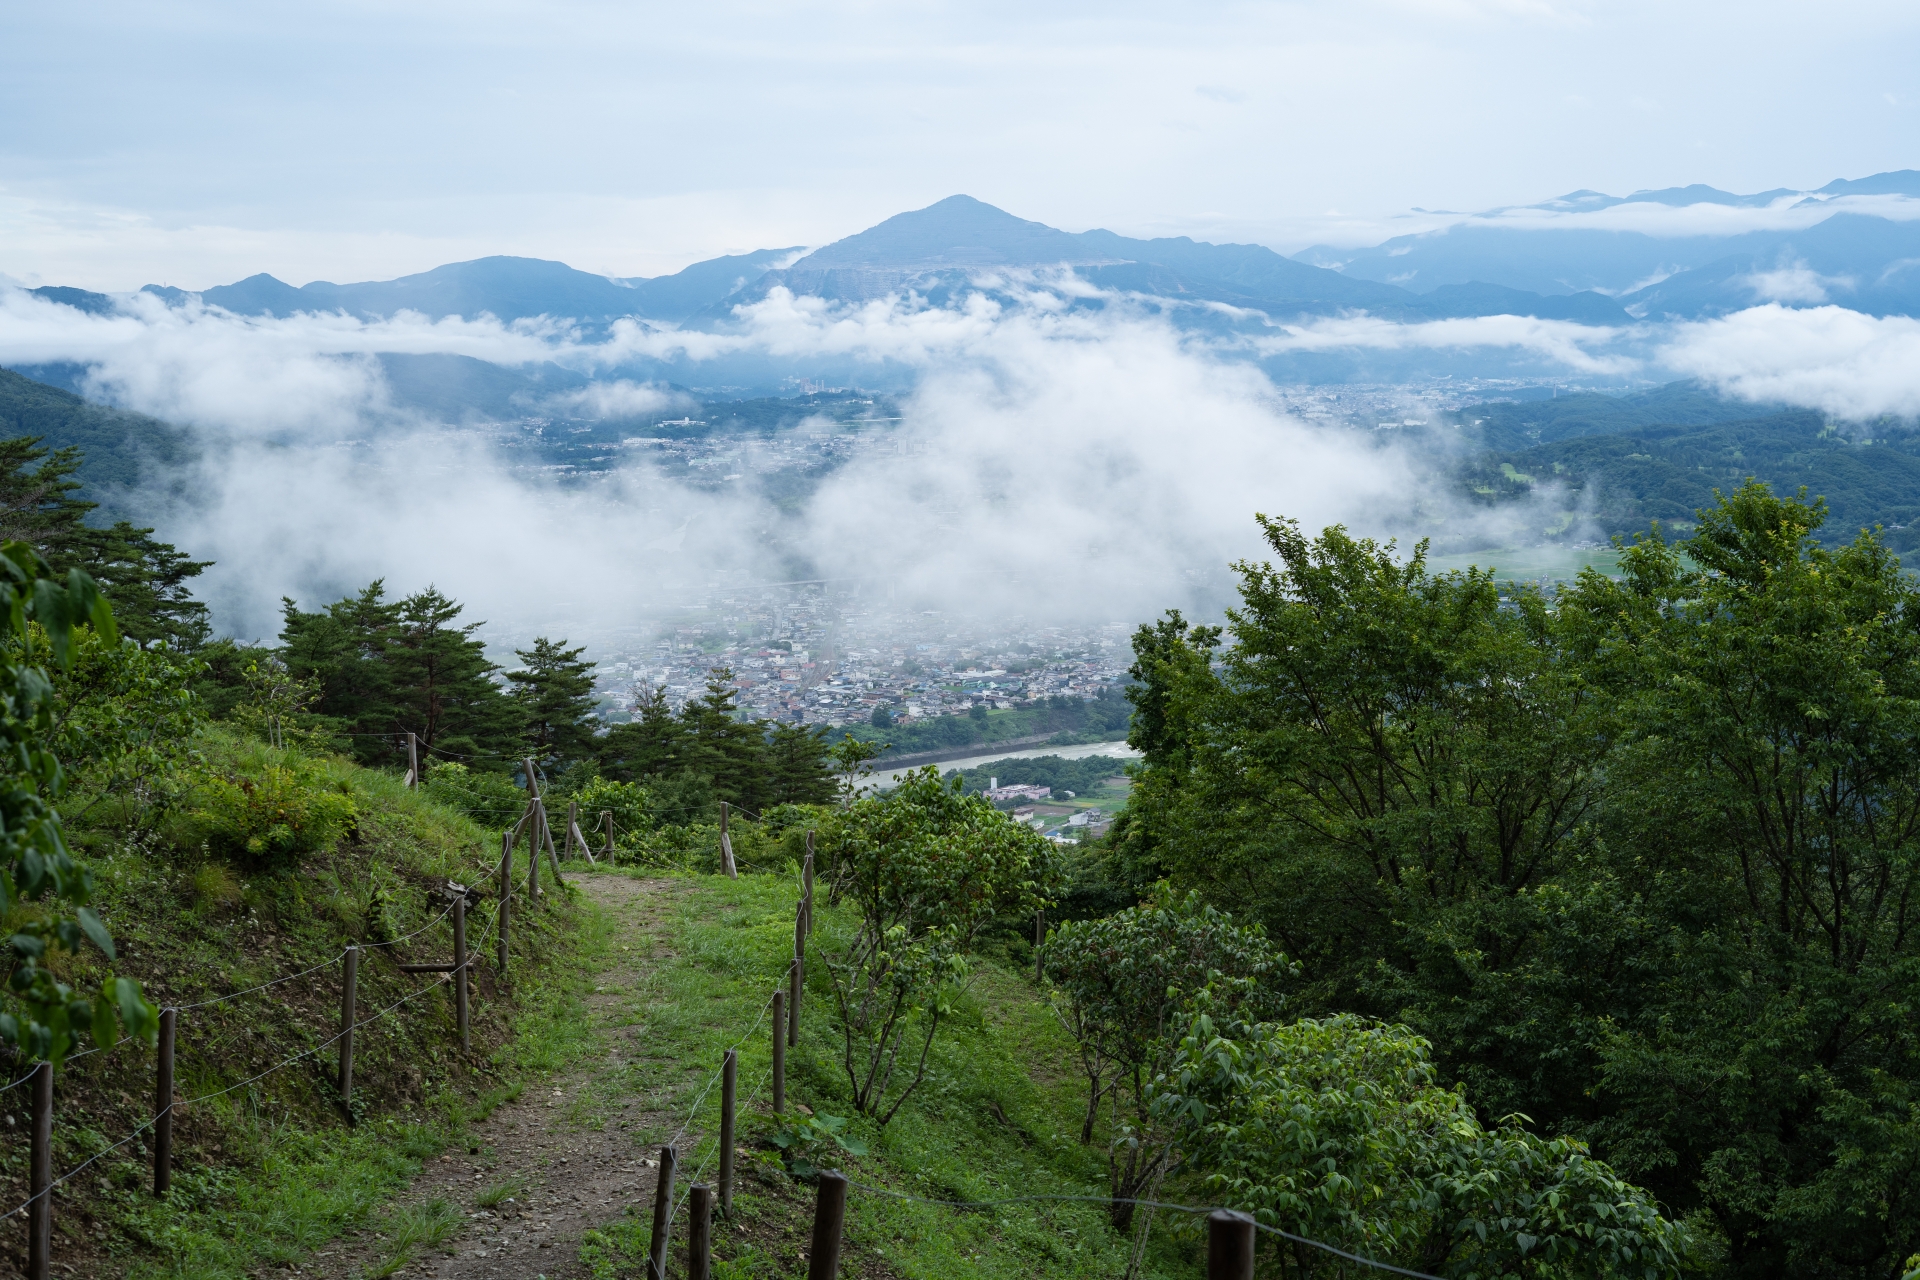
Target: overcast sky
x,y
196,143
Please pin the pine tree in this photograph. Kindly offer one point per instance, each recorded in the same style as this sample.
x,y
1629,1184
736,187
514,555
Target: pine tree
x,y
555,693
796,765
645,746
146,580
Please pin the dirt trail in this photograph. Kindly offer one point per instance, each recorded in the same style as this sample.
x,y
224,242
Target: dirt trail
x,y
573,1139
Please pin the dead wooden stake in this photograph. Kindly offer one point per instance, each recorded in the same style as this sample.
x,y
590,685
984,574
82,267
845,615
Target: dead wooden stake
x,y
796,976
533,850
662,1215
806,882
40,1177
829,1221
349,987
700,1233
163,1107
506,898
573,825
779,1052
726,845
546,833
413,760
1229,1245
606,824
460,966
729,1089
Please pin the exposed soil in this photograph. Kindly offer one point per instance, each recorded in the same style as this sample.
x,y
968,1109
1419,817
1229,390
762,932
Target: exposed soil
x,y
572,1142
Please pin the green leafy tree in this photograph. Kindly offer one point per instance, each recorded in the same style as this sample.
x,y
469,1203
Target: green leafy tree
x,y
1637,861
42,887
926,869
1122,985
1337,1129
554,688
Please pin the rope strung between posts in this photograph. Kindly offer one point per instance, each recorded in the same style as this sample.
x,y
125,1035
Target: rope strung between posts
x,y
144,1125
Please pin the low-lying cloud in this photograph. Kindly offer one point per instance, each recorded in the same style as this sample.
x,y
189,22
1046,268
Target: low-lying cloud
x,y
1053,458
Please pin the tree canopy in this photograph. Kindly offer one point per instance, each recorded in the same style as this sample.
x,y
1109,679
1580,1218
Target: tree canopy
x,y
1641,860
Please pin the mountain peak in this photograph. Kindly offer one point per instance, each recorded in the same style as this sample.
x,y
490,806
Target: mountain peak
x,y
958,231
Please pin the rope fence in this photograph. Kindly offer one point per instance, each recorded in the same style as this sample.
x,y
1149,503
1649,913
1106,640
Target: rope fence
x,y
42,1183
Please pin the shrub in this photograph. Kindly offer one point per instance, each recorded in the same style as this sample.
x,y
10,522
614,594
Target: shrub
x,y
267,818
927,870
489,798
1338,1130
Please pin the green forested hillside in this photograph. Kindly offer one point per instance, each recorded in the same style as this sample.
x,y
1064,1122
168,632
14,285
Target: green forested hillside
x,y
118,445
1623,480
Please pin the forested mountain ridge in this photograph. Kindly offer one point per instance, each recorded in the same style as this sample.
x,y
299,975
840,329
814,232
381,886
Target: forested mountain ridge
x,y
116,444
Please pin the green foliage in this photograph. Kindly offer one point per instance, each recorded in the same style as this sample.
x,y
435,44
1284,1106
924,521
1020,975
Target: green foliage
x,y
926,871
809,1139
750,764
277,706
1080,776
147,581
266,818
1123,985
125,717
1337,1129
488,797
555,692
1636,860
389,668
630,806
44,892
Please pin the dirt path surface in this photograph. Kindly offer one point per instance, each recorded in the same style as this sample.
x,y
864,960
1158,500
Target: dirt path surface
x,y
568,1149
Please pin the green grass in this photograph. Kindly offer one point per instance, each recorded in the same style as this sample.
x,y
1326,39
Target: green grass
x,y
998,1115
409,1229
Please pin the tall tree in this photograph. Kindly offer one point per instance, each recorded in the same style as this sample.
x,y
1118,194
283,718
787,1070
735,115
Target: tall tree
x,y
555,692
387,668
147,580
647,745
797,768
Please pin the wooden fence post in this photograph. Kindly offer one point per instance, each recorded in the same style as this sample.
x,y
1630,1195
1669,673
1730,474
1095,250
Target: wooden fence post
x,y
163,1107
413,760
662,1215
506,899
546,833
726,845
349,989
796,974
806,882
573,825
460,965
606,824
40,1176
729,1090
1039,937
700,1233
779,1052
829,1221
1229,1245
533,850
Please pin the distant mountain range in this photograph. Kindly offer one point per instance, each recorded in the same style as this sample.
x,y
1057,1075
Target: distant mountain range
x,y
1864,255
1555,263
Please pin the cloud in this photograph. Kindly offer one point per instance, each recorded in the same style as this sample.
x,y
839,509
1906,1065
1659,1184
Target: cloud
x,y
1793,282
1842,362
1052,458
619,399
1569,344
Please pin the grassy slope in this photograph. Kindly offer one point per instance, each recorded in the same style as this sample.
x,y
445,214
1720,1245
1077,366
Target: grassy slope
x,y
272,1170
999,1115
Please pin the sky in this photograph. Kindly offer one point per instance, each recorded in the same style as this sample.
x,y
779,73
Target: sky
x,y
197,143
